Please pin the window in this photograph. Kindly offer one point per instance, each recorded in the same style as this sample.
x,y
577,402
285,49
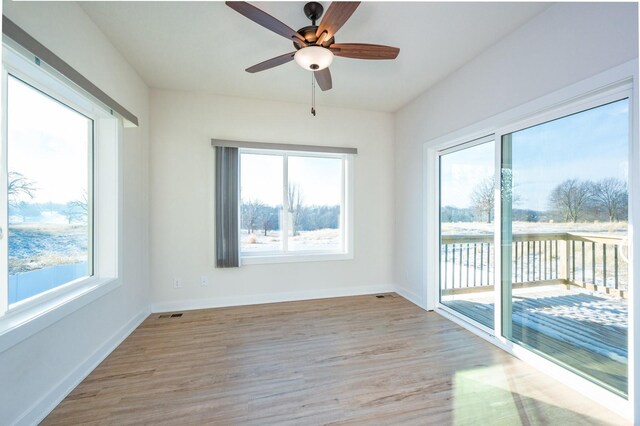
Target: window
x,y
293,203
49,151
59,189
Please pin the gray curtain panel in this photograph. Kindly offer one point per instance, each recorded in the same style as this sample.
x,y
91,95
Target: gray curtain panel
x,y
227,239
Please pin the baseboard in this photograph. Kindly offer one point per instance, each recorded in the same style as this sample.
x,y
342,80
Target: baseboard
x,y
39,410
410,296
220,302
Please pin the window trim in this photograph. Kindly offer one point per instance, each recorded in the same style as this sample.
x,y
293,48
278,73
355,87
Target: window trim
x,y
25,318
346,219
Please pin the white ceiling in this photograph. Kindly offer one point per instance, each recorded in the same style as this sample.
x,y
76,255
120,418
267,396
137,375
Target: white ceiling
x,y
205,46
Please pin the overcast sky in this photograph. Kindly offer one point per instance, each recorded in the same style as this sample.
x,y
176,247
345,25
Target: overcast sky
x,y
48,143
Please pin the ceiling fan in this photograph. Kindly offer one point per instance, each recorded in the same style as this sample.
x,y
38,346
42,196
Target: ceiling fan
x,y
315,44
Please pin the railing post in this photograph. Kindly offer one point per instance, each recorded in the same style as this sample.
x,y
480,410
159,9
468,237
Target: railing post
x,y
565,258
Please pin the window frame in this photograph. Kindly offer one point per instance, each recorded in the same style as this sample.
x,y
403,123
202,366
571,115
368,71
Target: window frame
x,y
346,217
440,305
588,101
23,318
36,85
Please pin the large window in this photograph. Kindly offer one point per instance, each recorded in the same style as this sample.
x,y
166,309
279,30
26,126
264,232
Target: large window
x,y
49,152
292,203
60,208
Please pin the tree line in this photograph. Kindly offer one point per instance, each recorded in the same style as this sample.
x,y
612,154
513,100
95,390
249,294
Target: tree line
x,y
576,199
258,216
572,200
73,211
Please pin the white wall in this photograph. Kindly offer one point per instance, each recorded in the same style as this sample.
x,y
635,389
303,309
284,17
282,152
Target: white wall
x,y
566,43
36,372
182,125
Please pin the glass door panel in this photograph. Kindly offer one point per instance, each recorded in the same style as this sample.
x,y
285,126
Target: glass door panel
x,y
466,231
564,241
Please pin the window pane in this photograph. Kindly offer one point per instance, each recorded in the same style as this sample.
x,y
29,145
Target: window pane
x,y
48,148
261,195
565,246
466,232
315,194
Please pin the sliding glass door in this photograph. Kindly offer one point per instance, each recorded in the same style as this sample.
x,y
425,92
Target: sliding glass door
x,y
467,188
535,250
564,240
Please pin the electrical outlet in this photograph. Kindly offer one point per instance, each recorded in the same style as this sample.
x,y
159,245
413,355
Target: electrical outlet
x,y
177,283
204,281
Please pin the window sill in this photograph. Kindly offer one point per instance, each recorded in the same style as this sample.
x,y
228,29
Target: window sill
x,y
20,325
293,258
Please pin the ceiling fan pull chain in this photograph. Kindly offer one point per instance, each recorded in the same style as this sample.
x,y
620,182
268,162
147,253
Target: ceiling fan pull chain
x,y
313,95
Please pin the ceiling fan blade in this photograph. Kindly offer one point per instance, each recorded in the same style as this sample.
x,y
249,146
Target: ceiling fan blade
x,y
364,51
270,63
262,18
335,17
323,77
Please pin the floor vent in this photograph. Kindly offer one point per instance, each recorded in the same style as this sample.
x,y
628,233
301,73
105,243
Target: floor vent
x,y
380,296
170,315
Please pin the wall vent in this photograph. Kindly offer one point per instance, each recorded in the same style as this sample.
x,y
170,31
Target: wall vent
x,y
380,296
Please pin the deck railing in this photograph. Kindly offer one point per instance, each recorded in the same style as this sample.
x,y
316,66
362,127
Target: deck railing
x,y
589,261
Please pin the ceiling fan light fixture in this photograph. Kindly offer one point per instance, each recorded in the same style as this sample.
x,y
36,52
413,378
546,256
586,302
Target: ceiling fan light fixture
x,y
314,58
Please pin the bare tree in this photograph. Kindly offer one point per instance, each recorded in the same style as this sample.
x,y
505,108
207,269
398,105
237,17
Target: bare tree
x,y
295,206
251,215
611,194
82,204
26,210
483,198
268,219
18,187
570,198
78,210
73,214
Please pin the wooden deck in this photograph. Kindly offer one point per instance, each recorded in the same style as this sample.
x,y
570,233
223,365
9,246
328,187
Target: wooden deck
x,y
352,360
584,332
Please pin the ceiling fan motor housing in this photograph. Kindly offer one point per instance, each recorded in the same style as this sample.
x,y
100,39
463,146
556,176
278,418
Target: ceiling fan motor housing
x,y
312,10
309,34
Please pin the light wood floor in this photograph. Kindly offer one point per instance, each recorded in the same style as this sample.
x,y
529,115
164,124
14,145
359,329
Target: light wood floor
x,y
352,360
